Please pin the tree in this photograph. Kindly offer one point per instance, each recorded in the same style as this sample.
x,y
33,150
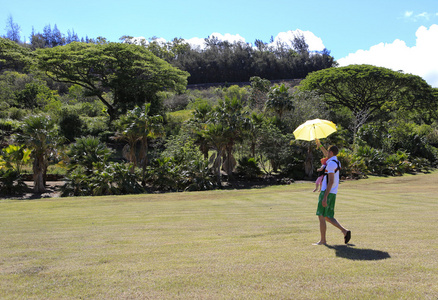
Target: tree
x,y
229,122
12,30
39,135
258,92
14,56
35,94
279,100
57,38
198,124
137,126
215,135
47,35
366,90
300,45
131,73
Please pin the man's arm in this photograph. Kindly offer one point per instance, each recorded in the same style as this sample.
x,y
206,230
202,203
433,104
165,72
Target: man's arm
x,y
321,147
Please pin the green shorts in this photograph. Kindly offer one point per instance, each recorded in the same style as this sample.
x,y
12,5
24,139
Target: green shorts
x,y
329,210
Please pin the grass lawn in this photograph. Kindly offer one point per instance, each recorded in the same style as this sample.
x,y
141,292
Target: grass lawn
x,y
243,244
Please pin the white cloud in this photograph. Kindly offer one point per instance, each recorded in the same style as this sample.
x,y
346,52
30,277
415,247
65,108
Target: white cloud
x,y
424,15
228,37
315,43
415,17
408,14
196,42
420,59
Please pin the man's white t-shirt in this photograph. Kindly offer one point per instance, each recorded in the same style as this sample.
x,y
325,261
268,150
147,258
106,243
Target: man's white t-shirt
x,y
331,168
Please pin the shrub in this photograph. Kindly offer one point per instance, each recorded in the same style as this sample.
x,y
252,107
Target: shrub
x,y
18,114
11,182
180,167
397,164
248,168
70,125
9,125
352,166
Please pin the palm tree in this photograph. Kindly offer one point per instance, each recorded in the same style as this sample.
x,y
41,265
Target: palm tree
x,y
147,127
215,135
229,113
201,116
40,135
88,152
137,126
129,133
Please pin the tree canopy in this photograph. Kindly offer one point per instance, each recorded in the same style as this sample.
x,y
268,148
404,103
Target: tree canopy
x,y
366,89
131,73
13,56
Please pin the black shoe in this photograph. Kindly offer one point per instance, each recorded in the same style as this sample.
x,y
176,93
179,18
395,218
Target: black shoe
x,y
347,237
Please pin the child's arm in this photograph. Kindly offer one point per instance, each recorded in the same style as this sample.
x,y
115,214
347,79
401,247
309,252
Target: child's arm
x,y
321,147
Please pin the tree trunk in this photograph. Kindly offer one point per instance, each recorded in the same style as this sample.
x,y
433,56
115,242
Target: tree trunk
x,y
229,162
217,166
308,164
144,158
204,150
39,171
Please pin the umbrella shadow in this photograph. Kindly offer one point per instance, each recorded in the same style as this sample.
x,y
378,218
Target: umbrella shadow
x,y
348,252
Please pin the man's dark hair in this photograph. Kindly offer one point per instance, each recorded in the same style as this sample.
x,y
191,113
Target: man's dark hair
x,y
333,149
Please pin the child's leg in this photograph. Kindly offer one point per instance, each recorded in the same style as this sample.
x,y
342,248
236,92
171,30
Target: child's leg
x,y
318,183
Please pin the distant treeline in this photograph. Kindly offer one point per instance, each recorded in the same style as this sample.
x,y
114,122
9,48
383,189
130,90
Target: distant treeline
x,y
222,61
218,62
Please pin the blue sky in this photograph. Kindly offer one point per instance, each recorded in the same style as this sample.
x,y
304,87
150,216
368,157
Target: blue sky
x,y
391,33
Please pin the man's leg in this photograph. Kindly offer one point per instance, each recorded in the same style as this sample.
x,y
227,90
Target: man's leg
x,y
335,223
323,230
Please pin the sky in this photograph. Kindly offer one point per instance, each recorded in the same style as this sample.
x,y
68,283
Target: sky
x,y
397,34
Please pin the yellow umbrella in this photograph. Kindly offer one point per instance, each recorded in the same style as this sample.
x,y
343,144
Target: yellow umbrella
x,y
314,129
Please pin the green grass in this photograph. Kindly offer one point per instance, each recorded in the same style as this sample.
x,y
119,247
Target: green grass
x,y
245,244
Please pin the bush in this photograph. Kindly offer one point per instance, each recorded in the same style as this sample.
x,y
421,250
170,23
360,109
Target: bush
x,y
248,168
11,182
397,164
93,109
91,173
17,113
9,125
95,126
70,125
106,179
176,102
352,166
180,167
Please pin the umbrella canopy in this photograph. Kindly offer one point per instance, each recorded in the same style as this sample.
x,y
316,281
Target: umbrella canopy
x,y
314,129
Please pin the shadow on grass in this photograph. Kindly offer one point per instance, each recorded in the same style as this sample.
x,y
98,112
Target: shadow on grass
x,y
346,251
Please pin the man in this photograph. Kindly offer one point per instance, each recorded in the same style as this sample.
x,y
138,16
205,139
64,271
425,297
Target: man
x,y
327,197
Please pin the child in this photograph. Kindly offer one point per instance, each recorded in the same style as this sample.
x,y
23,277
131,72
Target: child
x,y
322,168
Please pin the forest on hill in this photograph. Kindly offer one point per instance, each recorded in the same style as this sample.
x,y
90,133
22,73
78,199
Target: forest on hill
x,y
117,118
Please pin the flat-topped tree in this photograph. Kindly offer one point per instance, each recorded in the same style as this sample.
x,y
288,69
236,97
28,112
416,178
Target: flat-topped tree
x,y
131,73
366,90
